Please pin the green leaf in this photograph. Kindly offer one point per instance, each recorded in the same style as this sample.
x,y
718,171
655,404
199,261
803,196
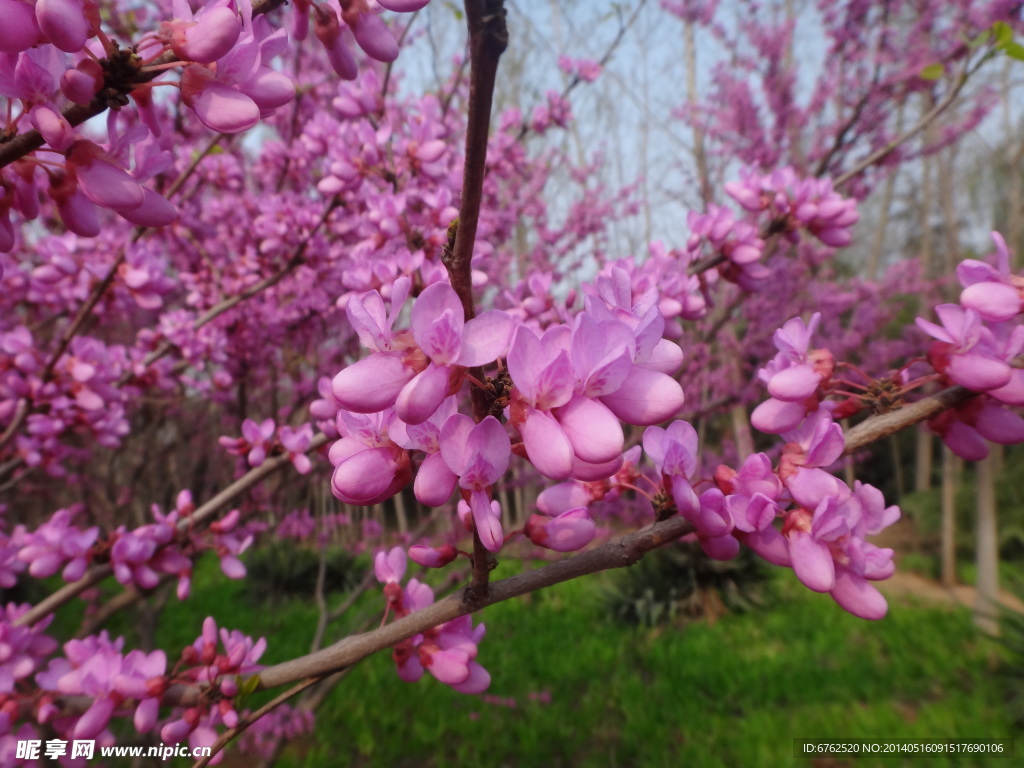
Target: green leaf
x,y
932,71
1003,33
1014,50
246,688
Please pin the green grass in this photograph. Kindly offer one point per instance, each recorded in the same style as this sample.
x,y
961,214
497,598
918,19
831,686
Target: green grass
x,y
733,694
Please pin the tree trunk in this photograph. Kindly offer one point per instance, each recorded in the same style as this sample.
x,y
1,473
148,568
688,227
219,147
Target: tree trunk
x,y
741,430
986,605
923,462
948,535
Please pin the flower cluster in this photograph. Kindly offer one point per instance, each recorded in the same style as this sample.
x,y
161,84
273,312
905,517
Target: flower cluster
x,y
257,442
562,391
977,347
448,651
98,669
58,53
220,669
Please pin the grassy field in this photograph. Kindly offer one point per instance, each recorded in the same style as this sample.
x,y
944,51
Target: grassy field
x,y
571,688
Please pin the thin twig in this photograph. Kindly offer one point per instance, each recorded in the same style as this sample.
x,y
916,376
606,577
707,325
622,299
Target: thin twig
x,y
245,722
919,126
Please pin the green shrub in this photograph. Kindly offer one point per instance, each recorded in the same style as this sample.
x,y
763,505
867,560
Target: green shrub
x,y
679,582
284,570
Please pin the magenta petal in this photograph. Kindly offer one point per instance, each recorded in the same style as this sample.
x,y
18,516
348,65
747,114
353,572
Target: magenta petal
x,y
720,547
646,397
810,486
1012,393
563,497
488,526
79,215
776,416
993,301
19,30
371,384
595,433
232,567
688,504
76,85
451,666
591,473
363,476
213,35
146,715
455,442
403,6
94,720
222,108
52,126
855,595
342,61
375,38
155,211
547,445
795,383
965,442
63,22
999,425
109,186
812,561
489,441
978,372
666,357
771,545
434,481
422,395
478,681
269,89
570,531
485,338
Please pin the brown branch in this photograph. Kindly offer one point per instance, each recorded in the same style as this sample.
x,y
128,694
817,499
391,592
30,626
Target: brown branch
x,y
488,38
244,722
616,554
919,126
885,424
20,145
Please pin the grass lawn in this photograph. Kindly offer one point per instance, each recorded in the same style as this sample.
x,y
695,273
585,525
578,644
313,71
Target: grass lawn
x,y
570,688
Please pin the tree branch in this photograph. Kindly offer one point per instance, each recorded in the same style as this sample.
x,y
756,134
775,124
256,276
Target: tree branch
x,y
488,38
885,424
919,126
616,554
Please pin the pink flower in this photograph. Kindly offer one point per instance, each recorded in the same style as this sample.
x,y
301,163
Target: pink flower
x,y
992,292
966,351
567,532
296,442
479,455
389,567
674,453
